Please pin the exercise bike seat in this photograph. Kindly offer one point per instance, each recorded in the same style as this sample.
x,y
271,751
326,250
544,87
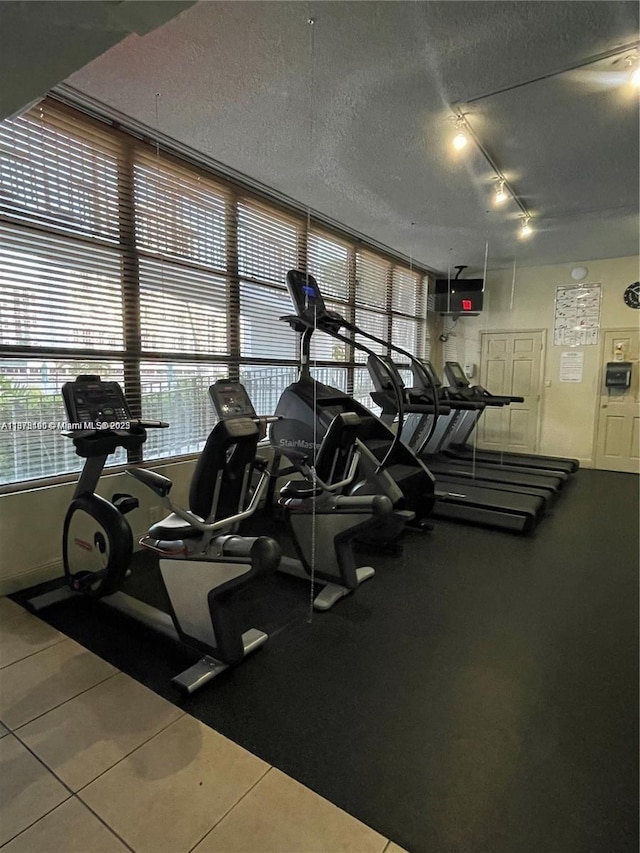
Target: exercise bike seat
x,y
173,528
300,490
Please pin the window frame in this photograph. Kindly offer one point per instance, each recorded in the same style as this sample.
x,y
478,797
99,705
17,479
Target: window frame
x,y
132,151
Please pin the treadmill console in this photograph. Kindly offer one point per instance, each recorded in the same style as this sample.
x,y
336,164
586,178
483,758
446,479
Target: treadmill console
x,y
423,372
231,400
455,375
384,379
91,402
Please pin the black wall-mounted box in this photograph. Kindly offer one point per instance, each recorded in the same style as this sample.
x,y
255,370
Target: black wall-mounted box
x,y
618,374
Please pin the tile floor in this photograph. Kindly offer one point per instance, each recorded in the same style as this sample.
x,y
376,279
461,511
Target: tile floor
x,y
93,762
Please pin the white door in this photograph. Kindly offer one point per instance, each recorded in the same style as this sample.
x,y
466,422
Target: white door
x,y
618,438
511,364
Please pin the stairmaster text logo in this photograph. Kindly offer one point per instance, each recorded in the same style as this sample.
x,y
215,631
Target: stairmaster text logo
x,y
298,444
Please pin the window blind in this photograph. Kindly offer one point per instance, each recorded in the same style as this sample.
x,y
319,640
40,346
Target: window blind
x,y
60,281
119,259
371,280
404,291
58,293
262,333
182,310
60,172
179,214
328,262
375,323
267,243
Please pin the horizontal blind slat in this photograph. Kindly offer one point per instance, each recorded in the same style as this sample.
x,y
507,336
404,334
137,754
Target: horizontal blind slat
x,y
371,280
182,310
262,334
328,262
51,296
59,171
267,243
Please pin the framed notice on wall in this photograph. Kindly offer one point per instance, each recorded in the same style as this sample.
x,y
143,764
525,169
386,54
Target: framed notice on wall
x,y
571,366
577,317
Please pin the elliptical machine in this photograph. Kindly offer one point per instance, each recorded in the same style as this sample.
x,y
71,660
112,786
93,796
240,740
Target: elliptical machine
x,y
202,569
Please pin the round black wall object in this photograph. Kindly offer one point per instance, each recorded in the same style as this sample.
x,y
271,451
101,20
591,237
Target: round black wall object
x,y
632,295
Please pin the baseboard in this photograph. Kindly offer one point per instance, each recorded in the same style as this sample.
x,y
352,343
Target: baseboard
x,y
32,577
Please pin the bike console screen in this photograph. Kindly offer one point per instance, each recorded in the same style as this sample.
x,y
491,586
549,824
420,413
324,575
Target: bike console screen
x,y
231,400
93,403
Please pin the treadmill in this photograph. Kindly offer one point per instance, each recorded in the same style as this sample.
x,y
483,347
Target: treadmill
x,y
425,441
461,387
427,382
459,495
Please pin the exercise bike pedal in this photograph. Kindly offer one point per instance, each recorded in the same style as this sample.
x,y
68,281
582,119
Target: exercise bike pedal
x,y
421,526
124,503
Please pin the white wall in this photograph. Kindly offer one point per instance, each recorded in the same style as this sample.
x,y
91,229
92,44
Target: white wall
x,y
568,415
31,523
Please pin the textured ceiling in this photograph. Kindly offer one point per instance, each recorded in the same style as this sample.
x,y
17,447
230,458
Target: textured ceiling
x,y
349,116
42,42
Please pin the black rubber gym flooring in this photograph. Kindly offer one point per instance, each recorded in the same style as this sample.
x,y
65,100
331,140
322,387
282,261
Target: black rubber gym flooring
x,y
479,694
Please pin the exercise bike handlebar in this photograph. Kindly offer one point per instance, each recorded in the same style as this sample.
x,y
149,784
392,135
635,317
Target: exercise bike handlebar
x,y
195,520
141,422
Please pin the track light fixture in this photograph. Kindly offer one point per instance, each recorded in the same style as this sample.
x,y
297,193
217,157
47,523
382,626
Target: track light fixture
x,y
500,195
461,139
634,77
503,190
525,228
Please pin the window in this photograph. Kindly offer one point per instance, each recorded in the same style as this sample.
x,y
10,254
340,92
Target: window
x,y
120,260
31,410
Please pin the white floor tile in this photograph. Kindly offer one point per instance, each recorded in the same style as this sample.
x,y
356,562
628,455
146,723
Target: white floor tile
x,y
22,633
93,731
280,815
167,794
70,828
36,684
27,789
